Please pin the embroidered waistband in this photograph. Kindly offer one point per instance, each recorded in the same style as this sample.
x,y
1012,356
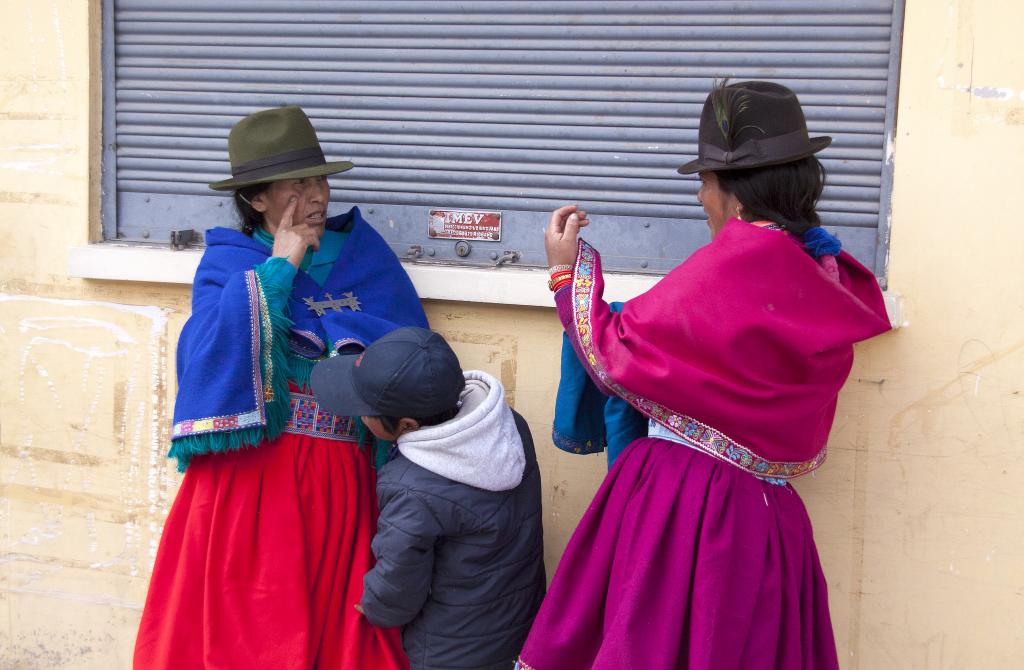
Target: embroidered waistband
x,y
655,429
308,419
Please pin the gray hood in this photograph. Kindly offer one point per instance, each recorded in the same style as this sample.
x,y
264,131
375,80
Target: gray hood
x,y
480,447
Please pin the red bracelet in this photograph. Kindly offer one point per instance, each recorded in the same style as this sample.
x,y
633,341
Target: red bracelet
x,y
557,286
558,277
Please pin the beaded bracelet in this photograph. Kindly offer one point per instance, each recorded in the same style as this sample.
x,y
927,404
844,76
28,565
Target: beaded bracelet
x,y
552,283
560,284
559,277
558,268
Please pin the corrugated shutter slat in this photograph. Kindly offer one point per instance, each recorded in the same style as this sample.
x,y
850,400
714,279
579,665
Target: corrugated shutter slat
x,y
513,106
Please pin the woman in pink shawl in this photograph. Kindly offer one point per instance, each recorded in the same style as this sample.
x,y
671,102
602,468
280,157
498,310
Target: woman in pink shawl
x,y
696,552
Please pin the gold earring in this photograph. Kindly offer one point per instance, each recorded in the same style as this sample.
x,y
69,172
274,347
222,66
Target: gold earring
x,y
739,211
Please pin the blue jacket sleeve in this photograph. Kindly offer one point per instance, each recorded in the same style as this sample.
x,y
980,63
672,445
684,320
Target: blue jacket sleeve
x,y
395,590
586,420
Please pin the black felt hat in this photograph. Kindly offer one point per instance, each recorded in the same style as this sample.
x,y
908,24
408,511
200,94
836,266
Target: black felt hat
x,y
751,124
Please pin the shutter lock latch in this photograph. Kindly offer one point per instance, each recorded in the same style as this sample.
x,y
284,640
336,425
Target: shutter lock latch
x,y
507,257
182,239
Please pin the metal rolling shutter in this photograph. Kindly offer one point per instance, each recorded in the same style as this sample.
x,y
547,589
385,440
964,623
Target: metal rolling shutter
x,y
513,106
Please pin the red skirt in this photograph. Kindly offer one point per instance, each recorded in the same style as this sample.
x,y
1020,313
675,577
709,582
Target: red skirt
x,y
262,561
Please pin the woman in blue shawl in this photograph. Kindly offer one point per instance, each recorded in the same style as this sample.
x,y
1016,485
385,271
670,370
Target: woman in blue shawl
x,y
264,550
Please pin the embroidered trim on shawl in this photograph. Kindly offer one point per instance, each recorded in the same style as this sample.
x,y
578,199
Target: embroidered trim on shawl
x,y
268,338
308,351
308,419
700,435
256,417
217,423
257,303
312,336
656,430
566,443
345,341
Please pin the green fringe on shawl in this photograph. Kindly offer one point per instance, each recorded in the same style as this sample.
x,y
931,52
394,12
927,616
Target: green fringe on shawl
x,y
279,410
379,449
276,411
184,448
299,369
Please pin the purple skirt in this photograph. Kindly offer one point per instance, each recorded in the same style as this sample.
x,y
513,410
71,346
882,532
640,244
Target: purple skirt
x,y
683,561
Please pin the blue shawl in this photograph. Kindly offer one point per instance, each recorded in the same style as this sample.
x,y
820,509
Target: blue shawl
x,y
232,360
586,420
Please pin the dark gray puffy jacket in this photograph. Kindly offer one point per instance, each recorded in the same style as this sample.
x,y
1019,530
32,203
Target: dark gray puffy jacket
x,y
460,567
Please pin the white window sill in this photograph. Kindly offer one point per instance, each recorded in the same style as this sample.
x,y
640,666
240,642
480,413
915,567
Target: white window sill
x,y
502,286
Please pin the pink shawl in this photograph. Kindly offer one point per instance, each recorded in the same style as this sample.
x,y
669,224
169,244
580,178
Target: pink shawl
x,y
741,350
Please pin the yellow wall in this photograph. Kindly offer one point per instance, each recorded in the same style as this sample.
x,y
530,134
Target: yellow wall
x,y
918,514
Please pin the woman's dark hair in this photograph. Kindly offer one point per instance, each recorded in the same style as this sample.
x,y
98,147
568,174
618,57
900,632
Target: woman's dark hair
x,y
251,219
785,194
390,423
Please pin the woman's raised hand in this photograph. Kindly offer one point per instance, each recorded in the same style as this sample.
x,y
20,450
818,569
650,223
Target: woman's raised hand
x,y
560,237
292,239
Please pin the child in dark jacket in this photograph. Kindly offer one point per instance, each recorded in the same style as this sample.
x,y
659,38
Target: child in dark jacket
x,y
459,544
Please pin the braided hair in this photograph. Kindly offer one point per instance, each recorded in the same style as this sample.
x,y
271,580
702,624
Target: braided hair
x,y
785,194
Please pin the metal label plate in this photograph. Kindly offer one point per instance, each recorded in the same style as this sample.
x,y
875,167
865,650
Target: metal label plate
x,y
460,224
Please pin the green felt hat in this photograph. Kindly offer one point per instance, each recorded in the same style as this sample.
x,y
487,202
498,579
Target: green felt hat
x,y
275,144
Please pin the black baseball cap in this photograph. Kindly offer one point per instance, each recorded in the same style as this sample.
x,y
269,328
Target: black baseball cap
x,y
410,372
